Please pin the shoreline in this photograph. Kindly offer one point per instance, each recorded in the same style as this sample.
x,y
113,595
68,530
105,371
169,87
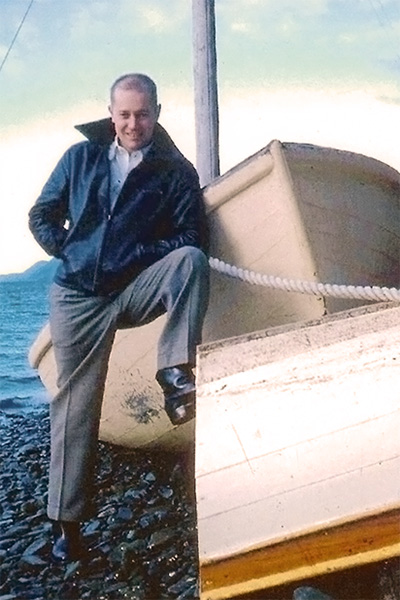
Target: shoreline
x,y
142,543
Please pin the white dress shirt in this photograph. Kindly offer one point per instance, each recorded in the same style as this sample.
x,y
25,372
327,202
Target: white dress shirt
x,y
122,163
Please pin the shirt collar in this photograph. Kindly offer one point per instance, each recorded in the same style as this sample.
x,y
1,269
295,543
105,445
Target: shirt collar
x,y
116,148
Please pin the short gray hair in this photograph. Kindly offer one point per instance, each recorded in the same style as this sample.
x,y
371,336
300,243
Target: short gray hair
x,y
136,81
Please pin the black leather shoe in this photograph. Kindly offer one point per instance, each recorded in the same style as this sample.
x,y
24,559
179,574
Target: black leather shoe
x,y
67,541
178,385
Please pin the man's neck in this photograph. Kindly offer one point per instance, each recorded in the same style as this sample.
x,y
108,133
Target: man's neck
x,y
143,150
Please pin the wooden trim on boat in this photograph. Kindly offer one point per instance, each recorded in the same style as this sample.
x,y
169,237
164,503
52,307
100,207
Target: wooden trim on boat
x,y
240,178
343,546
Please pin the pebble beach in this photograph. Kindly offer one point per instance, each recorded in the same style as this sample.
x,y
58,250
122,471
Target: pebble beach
x,y
141,545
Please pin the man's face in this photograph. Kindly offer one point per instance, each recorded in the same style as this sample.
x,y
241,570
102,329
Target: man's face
x,y
134,117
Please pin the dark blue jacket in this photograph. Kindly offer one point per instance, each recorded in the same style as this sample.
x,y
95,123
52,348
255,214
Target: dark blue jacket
x,y
160,208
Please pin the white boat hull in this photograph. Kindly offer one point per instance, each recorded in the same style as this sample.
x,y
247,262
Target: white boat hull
x,y
297,471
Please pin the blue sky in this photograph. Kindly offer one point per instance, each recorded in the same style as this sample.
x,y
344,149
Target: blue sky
x,y
318,71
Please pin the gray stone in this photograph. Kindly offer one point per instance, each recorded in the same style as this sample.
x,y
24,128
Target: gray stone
x,y
309,593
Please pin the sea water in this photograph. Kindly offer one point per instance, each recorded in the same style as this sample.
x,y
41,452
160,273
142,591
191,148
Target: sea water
x,y
23,312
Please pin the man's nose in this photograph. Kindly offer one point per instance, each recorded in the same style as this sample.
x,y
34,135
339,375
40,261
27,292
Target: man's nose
x,y
132,121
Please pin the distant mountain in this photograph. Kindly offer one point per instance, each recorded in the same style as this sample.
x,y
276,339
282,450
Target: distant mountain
x,y
42,271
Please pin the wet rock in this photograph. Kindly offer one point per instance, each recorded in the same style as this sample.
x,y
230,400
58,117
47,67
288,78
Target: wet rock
x,y
166,492
72,569
182,588
31,562
161,538
26,450
17,547
153,517
92,527
14,530
149,477
36,546
309,593
107,511
135,495
124,514
29,507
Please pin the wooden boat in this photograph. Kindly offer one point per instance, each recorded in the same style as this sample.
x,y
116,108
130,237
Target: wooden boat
x,y
298,452
291,210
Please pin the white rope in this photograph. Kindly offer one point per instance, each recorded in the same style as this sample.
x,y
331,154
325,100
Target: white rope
x,y
372,294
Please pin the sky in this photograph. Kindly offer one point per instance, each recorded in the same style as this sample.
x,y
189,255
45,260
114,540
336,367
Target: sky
x,y
325,72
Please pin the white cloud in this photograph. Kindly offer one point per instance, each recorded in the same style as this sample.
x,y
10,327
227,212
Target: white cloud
x,y
265,8
154,18
348,38
89,19
241,27
289,26
157,15
301,7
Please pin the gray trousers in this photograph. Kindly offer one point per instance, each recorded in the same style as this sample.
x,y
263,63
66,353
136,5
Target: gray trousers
x,y
82,330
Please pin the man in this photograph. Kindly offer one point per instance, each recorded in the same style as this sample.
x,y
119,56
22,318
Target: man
x,y
126,218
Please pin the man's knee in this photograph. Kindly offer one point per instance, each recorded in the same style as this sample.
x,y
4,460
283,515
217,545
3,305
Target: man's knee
x,y
192,256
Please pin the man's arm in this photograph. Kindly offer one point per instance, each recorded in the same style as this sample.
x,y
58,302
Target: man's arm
x,y
48,215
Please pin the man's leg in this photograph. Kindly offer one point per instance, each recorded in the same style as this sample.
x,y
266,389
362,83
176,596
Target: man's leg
x,y
82,330
179,285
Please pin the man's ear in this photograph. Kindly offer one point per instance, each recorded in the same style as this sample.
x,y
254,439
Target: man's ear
x,y
110,111
158,110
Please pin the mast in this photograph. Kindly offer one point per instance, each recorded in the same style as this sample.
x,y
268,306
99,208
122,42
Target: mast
x,y
205,90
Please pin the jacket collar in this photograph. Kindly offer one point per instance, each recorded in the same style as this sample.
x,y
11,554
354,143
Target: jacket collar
x,y
102,132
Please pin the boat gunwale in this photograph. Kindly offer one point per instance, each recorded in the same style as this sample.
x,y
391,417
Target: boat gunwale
x,y
301,151
214,570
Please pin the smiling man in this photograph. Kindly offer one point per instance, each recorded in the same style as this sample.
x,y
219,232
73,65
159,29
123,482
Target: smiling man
x,y
134,114
126,218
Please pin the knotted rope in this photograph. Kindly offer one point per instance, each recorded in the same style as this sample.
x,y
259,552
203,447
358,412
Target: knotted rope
x,y
372,294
